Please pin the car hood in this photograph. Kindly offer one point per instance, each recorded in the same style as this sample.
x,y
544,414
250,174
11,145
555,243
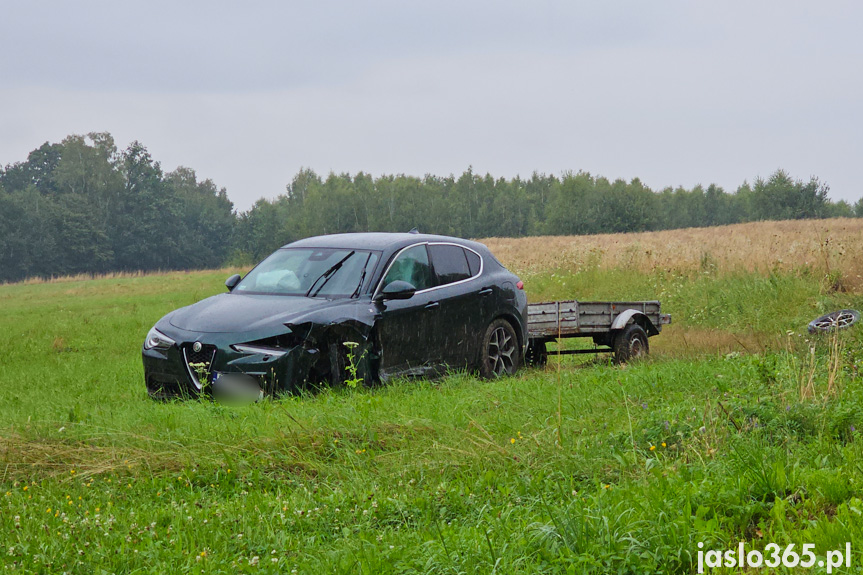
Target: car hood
x,y
225,313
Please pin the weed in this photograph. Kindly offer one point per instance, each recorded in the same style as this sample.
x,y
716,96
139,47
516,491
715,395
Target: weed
x,y
353,365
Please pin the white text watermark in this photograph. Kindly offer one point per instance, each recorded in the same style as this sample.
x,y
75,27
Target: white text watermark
x,y
772,557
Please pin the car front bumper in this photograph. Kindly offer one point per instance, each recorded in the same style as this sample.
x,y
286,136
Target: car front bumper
x,y
180,371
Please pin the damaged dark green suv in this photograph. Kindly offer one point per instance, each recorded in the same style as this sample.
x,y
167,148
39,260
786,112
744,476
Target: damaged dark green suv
x,y
400,304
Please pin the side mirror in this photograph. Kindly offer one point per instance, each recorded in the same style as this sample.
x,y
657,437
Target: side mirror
x,y
232,282
396,290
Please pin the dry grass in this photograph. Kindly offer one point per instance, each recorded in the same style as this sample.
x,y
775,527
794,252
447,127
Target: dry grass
x,y
121,275
25,458
833,248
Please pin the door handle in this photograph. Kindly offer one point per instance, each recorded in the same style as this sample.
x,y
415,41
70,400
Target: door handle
x,y
486,291
432,305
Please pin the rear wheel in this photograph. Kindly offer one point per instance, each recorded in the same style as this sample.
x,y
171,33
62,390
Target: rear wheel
x,y
501,354
630,344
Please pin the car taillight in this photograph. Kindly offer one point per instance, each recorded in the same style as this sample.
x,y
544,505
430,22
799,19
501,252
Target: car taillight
x,y
520,285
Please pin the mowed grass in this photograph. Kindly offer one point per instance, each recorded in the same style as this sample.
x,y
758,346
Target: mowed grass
x,y
740,427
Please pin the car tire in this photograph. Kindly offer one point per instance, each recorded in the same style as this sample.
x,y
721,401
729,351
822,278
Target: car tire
x,y
834,321
338,359
500,351
536,354
630,344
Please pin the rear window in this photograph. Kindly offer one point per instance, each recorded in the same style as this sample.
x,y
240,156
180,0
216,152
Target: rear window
x,y
450,263
472,262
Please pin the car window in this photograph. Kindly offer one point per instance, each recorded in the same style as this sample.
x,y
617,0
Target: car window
x,y
412,266
473,262
450,263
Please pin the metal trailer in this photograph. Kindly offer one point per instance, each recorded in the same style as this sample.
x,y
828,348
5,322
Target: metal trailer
x,y
619,327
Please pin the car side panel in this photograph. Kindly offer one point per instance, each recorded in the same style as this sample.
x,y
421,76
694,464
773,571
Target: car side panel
x,y
409,332
462,322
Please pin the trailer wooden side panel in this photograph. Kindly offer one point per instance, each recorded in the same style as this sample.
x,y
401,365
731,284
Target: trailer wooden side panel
x,y
574,318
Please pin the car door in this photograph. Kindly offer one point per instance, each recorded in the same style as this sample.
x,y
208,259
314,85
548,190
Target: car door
x,y
462,302
409,330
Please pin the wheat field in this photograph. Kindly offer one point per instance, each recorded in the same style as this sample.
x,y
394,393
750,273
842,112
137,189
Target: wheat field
x,y
833,248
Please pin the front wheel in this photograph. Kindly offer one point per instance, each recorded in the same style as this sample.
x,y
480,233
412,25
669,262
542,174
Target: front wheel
x,y
536,354
501,354
630,344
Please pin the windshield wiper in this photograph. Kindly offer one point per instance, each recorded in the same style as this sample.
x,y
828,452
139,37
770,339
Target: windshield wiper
x,y
327,275
362,277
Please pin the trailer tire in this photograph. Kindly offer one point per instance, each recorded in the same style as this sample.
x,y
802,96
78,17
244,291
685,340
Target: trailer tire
x,y
500,352
630,344
536,354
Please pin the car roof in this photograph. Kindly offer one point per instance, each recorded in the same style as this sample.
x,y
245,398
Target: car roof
x,y
376,241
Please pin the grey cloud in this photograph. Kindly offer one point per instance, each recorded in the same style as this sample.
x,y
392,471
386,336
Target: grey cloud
x,y
676,93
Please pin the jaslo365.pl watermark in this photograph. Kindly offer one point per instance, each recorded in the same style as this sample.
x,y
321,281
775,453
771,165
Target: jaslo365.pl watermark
x,y
772,557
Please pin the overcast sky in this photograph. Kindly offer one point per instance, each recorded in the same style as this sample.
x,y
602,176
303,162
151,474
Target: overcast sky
x,y
247,93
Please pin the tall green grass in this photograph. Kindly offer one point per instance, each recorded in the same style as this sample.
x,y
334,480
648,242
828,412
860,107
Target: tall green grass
x,y
580,467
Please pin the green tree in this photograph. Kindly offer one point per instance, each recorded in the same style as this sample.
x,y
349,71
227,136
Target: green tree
x,y
145,231
780,197
37,171
571,205
206,219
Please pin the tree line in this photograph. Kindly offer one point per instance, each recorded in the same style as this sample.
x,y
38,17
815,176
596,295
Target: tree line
x,y
84,206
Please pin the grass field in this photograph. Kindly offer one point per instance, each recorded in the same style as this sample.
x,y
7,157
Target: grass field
x,y
740,427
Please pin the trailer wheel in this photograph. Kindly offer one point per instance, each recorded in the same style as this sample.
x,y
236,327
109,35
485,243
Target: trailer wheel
x,y
536,354
630,344
500,351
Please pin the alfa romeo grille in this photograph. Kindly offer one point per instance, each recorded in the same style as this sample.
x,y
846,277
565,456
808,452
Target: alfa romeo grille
x,y
199,364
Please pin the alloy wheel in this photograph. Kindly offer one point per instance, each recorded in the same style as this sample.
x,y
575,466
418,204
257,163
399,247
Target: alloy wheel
x,y
501,351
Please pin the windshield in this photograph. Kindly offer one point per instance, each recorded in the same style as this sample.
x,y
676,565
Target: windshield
x,y
315,272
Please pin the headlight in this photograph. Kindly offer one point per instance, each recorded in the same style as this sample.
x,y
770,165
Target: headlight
x,y
258,349
158,340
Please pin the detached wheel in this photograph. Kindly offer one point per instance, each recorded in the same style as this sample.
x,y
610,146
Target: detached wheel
x,y
500,351
630,344
834,321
